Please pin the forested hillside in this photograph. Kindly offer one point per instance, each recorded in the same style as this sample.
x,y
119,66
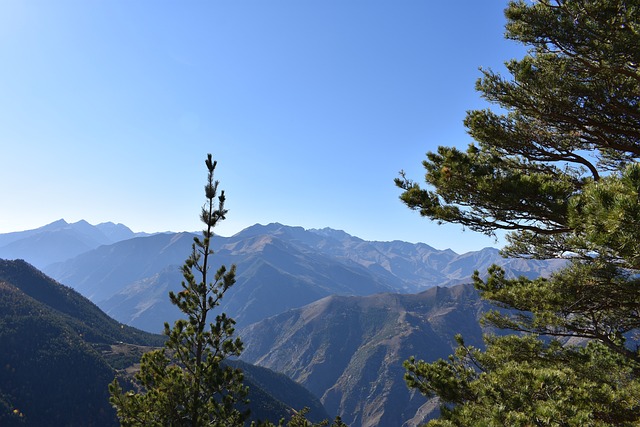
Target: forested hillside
x,y
54,369
60,352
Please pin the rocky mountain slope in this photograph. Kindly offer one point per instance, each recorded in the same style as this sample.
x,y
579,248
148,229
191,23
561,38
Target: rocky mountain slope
x,y
130,280
349,350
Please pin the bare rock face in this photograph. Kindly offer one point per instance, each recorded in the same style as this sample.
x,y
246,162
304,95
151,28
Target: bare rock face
x,y
349,350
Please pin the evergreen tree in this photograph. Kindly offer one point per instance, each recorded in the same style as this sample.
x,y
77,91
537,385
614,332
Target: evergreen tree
x,y
299,419
186,383
557,169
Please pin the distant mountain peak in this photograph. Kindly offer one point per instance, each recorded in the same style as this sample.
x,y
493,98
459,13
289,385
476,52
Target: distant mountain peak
x,y
60,240
271,228
54,225
333,233
257,229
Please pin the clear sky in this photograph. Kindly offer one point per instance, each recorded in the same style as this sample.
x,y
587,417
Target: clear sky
x,y
311,107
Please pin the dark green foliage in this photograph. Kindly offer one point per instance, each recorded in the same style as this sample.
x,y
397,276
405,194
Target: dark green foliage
x,y
48,373
558,169
572,114
53,370
186,383
268,390
521,381
78,312
299,419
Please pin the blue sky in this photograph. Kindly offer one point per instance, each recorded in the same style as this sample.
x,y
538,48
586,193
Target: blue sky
x,y
311,107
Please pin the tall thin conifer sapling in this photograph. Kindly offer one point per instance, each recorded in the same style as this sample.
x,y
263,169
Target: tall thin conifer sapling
x,y
186,383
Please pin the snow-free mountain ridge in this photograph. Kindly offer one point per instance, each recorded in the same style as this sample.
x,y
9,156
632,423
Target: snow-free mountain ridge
x,y
279,267
349,350
61,240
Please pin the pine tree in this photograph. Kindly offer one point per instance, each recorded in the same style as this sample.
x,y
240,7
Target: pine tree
x,y
557,169
186,383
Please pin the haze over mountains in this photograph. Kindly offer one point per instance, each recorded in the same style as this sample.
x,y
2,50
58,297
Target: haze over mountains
x,y
60,240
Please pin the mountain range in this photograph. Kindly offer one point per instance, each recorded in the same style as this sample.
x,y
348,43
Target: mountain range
x,y
60,240
333,312
279,268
